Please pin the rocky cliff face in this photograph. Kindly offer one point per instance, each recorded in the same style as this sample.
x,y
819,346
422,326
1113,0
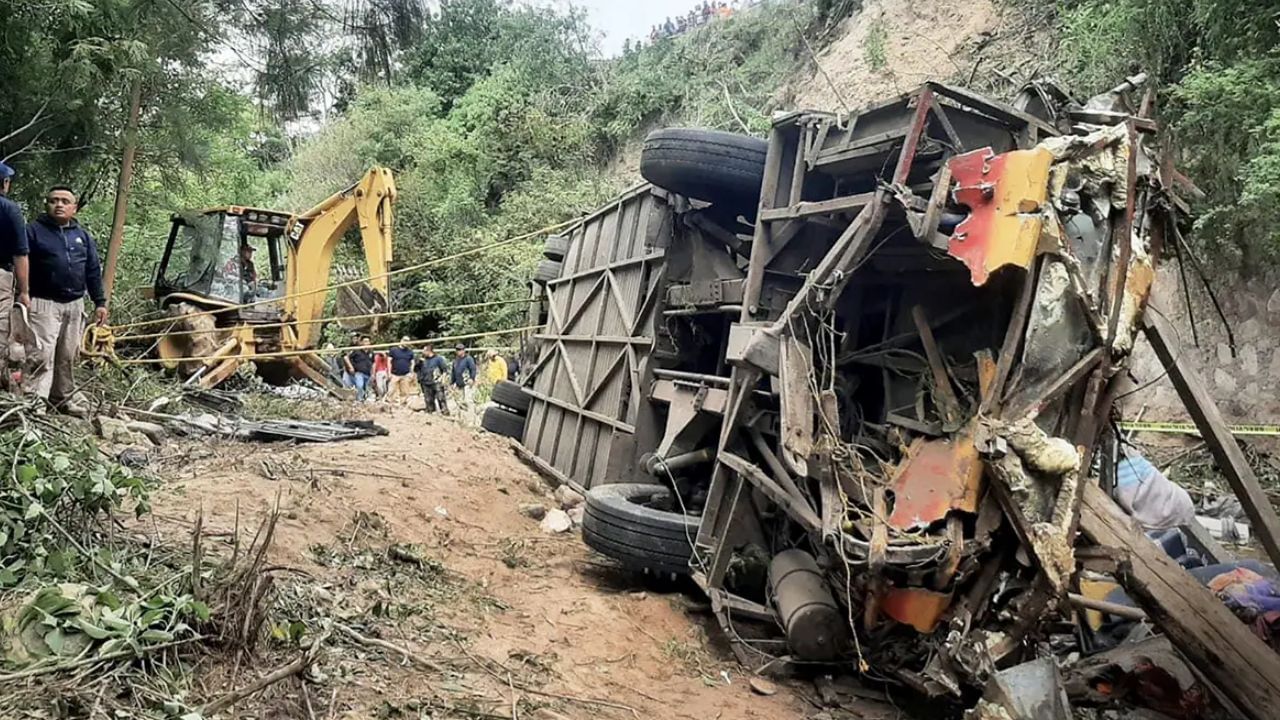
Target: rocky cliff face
x,y
1245,383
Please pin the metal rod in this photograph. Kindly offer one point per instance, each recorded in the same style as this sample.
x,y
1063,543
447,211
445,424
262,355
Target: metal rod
x,y
1123,612
681,461
716,380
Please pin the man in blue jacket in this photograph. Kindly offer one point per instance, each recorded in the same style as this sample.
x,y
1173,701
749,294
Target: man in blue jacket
x,y
430,369
64,267
13,264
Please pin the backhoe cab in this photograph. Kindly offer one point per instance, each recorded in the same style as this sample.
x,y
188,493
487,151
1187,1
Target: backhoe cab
x,y
248,284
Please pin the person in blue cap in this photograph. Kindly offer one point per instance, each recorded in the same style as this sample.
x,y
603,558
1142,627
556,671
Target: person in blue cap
x,y
13,264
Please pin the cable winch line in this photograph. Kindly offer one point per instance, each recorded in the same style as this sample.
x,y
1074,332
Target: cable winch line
x,y
366,278
336,318
329,351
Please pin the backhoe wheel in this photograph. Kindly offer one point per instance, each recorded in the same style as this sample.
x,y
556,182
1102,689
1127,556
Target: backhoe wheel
x,y
501,421
511,395
547,271
555,247
639,526
719,167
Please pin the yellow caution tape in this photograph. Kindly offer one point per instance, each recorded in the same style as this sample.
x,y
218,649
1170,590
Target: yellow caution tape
x,y
1191,429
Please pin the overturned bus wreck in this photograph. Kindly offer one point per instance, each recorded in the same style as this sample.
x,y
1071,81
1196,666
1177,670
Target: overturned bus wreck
x,y
857,381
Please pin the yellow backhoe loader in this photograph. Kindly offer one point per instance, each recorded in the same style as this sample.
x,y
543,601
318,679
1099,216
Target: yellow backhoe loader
x,y
250,285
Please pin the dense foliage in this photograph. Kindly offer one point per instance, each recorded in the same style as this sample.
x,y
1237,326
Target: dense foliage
x,y
499,118
1217,65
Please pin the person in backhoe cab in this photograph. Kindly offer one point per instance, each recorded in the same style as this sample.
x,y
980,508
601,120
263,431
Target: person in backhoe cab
x,y
430,370
64,267
241,268
13,264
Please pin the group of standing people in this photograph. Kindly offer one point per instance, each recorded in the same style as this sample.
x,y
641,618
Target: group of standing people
x,y
398,372
47,267
695,18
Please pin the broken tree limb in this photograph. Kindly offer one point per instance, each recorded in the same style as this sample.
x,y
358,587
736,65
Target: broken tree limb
x,y
1203,629
297,667
1217,435
375,642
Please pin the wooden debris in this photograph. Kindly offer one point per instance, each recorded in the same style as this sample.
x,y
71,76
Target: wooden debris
x,y
1216,642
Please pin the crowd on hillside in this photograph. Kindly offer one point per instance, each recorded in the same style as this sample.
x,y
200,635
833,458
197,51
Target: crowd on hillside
x,y
697,17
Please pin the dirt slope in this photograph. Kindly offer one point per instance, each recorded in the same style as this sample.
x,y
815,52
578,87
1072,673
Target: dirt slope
x,y
562,620
890,47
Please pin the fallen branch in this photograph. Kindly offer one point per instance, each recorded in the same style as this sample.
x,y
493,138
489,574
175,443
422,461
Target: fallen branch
x,y
84,662
297,667
374,642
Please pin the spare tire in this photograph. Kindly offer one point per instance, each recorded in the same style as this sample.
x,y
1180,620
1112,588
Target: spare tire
x,y
555,247
501,421
511,395
718,167
638,525
547,271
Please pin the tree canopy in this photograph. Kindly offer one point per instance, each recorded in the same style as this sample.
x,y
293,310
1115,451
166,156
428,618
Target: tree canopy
x,y
500,117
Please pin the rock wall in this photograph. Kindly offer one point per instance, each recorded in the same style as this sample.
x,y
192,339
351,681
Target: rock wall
x,y
1245,384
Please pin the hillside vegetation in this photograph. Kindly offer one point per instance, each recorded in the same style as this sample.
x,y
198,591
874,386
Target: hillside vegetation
x,y
499,118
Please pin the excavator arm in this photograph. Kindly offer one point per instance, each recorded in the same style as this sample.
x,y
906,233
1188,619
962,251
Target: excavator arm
x,y
314,235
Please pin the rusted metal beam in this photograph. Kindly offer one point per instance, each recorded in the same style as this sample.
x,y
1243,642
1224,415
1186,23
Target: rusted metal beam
x,y
820,207
941,114
919,124
1217,436
945,395
1012,340
1000,111
1211,637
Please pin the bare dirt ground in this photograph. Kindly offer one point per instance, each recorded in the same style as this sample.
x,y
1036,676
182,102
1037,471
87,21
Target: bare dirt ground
x,y
416,538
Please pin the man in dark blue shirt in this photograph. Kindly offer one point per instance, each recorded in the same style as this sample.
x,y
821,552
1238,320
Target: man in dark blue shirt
x,y
430,369
64,267
464,382
401,370
359,364
13,265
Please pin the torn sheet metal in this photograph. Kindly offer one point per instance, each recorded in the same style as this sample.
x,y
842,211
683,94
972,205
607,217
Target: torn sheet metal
x,y
1005,195
921,609
938,475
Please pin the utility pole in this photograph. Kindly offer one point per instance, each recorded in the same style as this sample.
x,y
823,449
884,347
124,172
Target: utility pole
x,y
123,182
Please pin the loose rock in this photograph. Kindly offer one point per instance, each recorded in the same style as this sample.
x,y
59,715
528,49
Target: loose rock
x,y
568,497
576,514
533,511
760,686
556,521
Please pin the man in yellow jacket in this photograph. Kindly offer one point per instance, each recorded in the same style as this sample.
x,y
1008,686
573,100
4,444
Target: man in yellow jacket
x,y
495,368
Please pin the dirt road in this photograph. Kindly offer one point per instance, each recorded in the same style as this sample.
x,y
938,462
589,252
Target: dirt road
x,y
416,538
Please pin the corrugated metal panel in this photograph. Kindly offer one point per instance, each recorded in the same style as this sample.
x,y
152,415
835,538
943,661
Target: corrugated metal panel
x,y
595,344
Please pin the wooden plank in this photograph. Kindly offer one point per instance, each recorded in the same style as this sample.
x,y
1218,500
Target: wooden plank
x,y
1211,637
543,468
1217,435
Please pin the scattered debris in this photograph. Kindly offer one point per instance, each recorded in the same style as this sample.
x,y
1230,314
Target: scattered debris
x,y
309,431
